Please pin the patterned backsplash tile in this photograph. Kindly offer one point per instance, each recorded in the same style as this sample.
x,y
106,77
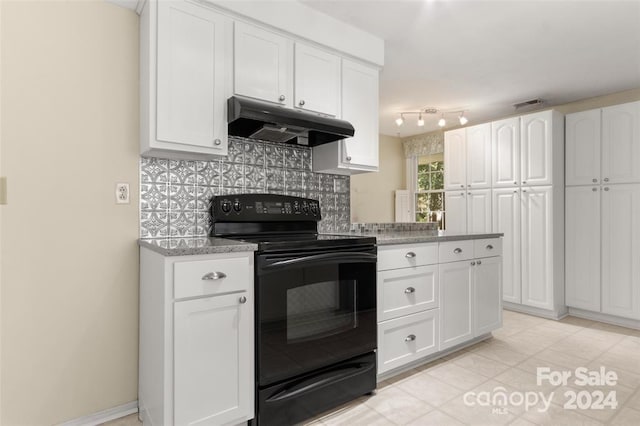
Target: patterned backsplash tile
x,y
175,194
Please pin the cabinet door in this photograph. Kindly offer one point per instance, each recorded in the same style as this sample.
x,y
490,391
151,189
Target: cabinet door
x,y
455,205
583,148
317,80
537,247
536,140
478,154
505,150
455,175
621,143
263,65
582,247
403,206
213,360
360,108
456,303
191,67
488,294
479,211
506,219
621,250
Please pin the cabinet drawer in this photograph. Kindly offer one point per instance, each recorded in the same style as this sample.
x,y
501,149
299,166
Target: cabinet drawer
x,y
407,291
487,247
407,339
406,255
205,277
452,251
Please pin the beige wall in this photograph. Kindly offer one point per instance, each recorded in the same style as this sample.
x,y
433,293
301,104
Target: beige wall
x,y
372,194
371,199
70,260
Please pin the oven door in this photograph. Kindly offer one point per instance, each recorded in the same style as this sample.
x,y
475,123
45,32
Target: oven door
x,y
314,308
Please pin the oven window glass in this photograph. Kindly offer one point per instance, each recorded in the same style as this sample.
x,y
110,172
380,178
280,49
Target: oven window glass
x,y
321,309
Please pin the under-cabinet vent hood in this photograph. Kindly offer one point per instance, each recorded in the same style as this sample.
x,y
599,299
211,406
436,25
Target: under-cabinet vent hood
x,y
261,120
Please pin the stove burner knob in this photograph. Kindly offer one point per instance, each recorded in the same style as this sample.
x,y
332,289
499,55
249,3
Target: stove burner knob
x,y
314,208
237,206
305,207
226,206
296,207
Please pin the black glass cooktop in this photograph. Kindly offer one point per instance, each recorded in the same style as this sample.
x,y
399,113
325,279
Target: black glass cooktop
x,y
302,241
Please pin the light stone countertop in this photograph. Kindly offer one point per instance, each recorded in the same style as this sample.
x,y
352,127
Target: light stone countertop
x,y
191,246
408,237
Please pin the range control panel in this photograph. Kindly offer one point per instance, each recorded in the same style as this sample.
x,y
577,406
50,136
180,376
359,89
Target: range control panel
x,y
263,208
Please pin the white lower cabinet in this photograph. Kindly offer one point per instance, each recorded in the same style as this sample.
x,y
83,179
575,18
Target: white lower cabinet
x,y
196,339
471,294
434,296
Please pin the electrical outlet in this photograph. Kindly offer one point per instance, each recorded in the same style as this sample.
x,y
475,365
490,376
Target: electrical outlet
x,y
122,193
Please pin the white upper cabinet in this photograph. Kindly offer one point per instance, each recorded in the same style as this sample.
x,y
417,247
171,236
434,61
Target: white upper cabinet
x,y
621,143
263,64
185,51
359,153
456,211
467,156
583,148
505,147
455,169
317,80
479,211
273,68
478,153
536,137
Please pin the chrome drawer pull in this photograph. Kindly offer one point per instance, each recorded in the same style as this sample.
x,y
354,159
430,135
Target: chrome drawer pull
x,y
410,338
479,262
214,276
489,247
243,299
458,251
409,290
410,255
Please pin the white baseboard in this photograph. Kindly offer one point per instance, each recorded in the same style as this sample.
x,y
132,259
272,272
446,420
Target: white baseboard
x,y
544,313
104,416
606,318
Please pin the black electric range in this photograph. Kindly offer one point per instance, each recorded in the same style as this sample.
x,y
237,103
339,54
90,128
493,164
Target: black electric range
x,y
315,305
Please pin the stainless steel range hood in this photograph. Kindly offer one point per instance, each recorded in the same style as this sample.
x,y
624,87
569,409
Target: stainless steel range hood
x,y
261,120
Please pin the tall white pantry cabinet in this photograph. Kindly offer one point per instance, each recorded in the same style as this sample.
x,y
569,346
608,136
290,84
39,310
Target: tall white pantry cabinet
x,y
603,214
508,176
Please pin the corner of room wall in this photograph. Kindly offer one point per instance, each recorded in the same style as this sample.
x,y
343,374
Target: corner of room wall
x,y
372,194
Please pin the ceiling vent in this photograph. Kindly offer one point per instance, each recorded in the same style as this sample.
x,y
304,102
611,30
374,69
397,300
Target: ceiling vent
x,y
528,103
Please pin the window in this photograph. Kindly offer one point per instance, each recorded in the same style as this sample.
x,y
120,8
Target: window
x,y
429,189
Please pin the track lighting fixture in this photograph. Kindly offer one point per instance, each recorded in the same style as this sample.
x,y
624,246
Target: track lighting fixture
x,y
432,111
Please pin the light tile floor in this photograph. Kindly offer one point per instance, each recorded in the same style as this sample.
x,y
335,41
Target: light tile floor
x,y
434,394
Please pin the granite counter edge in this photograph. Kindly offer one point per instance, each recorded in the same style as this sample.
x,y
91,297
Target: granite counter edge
x,y
209,246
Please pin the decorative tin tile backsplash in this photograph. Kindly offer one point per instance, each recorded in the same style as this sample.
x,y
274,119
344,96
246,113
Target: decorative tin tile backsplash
x,y
174,194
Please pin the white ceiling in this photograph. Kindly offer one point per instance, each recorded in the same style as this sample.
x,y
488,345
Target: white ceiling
x,y
484,56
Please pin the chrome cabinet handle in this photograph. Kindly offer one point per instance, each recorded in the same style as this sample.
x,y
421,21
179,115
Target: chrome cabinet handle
x,y
473,263
410,338
461,186
214,276
281,98
458,251
606,179
217,142
479,262
348,158
524,182
410,255
594,180
242,299
594,189
489,247
606,188
409,290
301,103
515,183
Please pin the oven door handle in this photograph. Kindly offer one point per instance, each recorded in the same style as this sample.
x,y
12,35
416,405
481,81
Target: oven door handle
x,y
324,258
